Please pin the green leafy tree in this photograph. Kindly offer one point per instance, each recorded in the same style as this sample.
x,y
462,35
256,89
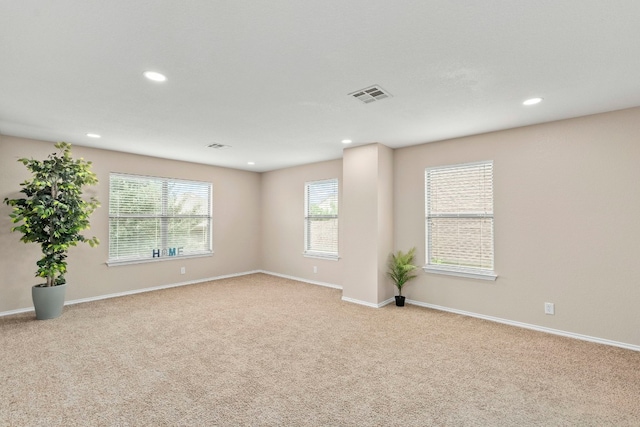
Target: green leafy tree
x,y
318,210
134,203
401,268
150,214
53,212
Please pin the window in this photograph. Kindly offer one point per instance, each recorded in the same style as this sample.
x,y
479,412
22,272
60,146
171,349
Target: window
x,y
157,218
459,220
321,218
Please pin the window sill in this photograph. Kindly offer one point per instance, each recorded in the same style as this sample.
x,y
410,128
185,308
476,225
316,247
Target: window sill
x,y
320,255
469,273
157,259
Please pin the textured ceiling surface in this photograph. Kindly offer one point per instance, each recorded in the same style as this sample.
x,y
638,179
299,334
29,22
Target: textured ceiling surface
x,y
273,80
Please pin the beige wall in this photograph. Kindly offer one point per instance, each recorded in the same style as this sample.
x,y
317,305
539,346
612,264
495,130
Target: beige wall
x,y
236,229
282,213
368,222
385,226
360,215
567,224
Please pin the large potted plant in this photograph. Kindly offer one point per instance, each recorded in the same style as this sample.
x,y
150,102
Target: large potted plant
x,y
401,271
53,213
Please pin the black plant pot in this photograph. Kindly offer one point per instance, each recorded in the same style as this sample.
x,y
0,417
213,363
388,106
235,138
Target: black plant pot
x,y
399,300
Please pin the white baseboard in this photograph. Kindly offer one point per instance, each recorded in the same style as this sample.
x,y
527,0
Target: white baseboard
x,y
354,301
331,285
298,279
528,326
17,311
387,301
135,291
157,288
368,304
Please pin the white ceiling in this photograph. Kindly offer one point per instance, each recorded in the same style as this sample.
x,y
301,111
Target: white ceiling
x,y
271,78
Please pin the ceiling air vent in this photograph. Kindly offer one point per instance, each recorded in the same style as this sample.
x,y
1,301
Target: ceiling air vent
x,y
219,146
370,94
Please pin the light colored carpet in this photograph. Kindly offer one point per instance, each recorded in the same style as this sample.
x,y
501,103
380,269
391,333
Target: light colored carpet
x,y
260,350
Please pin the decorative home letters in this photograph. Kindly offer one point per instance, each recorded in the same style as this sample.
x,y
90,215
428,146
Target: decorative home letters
x,y
157,253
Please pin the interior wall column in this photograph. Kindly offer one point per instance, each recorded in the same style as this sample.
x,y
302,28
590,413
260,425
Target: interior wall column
x,y
367,215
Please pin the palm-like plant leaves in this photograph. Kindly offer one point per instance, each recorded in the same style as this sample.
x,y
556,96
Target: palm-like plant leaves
x,y
401,268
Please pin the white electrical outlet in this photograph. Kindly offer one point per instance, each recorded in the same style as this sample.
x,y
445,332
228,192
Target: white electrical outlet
x,y
183,270
549,308
315,269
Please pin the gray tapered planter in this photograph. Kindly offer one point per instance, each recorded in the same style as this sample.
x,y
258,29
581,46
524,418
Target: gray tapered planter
x,y
48,301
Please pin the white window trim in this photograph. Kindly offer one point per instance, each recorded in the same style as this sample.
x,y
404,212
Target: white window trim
x,y
467,272
321,255
460,272
317,254
161,259
208,253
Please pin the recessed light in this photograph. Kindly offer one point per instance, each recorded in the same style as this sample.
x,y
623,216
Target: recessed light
x,y
251,163
346,141
532,101
155,76
93,135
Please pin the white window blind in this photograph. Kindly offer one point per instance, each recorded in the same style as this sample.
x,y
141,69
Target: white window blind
x,y
321,218
459,218
154,218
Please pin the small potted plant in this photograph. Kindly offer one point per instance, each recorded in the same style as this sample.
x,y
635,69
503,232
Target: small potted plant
x,y
401,271
53,213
